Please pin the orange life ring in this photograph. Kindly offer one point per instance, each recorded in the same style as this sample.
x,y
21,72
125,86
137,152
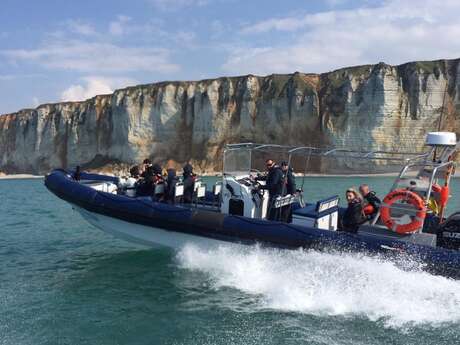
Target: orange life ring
x,y
411,198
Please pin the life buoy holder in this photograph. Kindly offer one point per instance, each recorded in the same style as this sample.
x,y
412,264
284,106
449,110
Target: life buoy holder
x,y
409,197
436,188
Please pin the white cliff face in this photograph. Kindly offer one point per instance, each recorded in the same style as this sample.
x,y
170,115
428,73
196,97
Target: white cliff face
x,y
377,107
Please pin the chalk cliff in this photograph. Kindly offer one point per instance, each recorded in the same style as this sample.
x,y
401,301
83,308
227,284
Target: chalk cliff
x,y
374,107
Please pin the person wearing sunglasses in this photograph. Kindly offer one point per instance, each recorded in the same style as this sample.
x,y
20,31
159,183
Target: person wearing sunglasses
x,y
274,184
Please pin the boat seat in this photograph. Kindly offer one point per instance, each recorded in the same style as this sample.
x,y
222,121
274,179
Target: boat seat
x,y
421,238
325,206
321,215
307,211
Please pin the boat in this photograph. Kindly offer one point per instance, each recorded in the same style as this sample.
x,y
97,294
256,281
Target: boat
x,y
235,209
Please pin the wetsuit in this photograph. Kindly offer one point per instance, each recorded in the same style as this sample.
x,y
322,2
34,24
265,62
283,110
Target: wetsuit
x,y
146,186
77,174
189,183
290,182
290,188
170,190
372,200
274,185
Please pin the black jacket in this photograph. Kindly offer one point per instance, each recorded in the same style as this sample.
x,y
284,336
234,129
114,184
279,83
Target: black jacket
x,y
274,181
289,178
171,181
353,216
189,186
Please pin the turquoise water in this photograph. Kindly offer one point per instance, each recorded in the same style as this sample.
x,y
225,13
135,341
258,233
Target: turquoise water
x,y
65,282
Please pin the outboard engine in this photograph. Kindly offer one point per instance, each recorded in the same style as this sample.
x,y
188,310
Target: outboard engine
x,y
449,232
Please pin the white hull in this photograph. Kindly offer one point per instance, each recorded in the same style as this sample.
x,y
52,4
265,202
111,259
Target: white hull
x,y
145,235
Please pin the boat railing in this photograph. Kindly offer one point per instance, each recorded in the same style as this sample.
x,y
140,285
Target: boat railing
x,y
402,158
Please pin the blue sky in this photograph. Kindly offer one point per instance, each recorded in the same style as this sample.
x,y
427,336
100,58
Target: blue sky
x,y
54,50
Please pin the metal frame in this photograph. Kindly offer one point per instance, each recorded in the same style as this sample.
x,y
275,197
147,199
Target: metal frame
x,y
408,159
308,151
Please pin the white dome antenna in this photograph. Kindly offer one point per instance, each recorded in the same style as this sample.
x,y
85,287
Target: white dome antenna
x,y
441,139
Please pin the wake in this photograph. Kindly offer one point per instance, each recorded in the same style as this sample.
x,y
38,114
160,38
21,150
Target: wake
x,y
327,284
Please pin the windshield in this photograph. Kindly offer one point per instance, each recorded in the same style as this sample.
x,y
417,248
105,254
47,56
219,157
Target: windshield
x,y
237,161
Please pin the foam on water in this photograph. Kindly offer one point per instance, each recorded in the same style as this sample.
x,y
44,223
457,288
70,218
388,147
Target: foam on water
x,y
330,284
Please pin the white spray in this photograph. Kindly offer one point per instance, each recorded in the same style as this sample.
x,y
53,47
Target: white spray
x,y
329,284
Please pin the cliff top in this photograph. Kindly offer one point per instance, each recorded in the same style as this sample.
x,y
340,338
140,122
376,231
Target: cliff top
x,y
425,66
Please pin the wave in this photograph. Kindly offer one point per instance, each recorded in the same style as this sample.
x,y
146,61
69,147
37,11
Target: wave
x,y
326,284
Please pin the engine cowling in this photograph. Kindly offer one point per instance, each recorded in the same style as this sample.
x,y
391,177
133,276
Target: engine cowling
x,y
449,232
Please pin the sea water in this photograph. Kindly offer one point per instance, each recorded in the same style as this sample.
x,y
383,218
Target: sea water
x,y
64,282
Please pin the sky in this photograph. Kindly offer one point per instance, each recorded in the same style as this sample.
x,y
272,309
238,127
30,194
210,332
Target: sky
x,y
64,50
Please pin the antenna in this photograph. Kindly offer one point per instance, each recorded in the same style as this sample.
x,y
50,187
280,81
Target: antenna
x,y
441,115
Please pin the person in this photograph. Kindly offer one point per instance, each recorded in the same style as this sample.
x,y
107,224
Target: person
x,y
290,189
77,173
274,185
146,185
371,203
157,173
129,187
134,172
353,216
157,180
170,190
147,163
289,178
188,178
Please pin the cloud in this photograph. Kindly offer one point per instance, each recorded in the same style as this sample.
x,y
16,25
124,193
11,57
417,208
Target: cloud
x,y
35,101
395,32
80,27
171,5
83,56
118,26
94,85
20,76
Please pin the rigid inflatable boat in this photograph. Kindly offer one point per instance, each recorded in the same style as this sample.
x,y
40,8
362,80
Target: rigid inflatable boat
x,y
236,208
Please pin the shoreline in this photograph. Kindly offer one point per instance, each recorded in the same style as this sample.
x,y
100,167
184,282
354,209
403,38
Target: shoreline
x,y
30,176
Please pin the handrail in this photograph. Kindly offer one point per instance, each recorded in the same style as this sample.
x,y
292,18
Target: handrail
x,y
333,152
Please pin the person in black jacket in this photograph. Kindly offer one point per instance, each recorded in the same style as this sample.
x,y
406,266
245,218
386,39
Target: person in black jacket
x,y
290,188
371,202
146,185
188,178
146,164
289,178
274,185
353,216
77,173
170,190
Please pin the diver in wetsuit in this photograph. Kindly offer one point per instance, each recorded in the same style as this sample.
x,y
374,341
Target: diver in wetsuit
x,y
77,173
146,185
157,179
147,163
170,190
189,183
371,202
290,188
274,185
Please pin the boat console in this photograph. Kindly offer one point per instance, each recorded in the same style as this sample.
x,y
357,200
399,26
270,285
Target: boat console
x,y
243,196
